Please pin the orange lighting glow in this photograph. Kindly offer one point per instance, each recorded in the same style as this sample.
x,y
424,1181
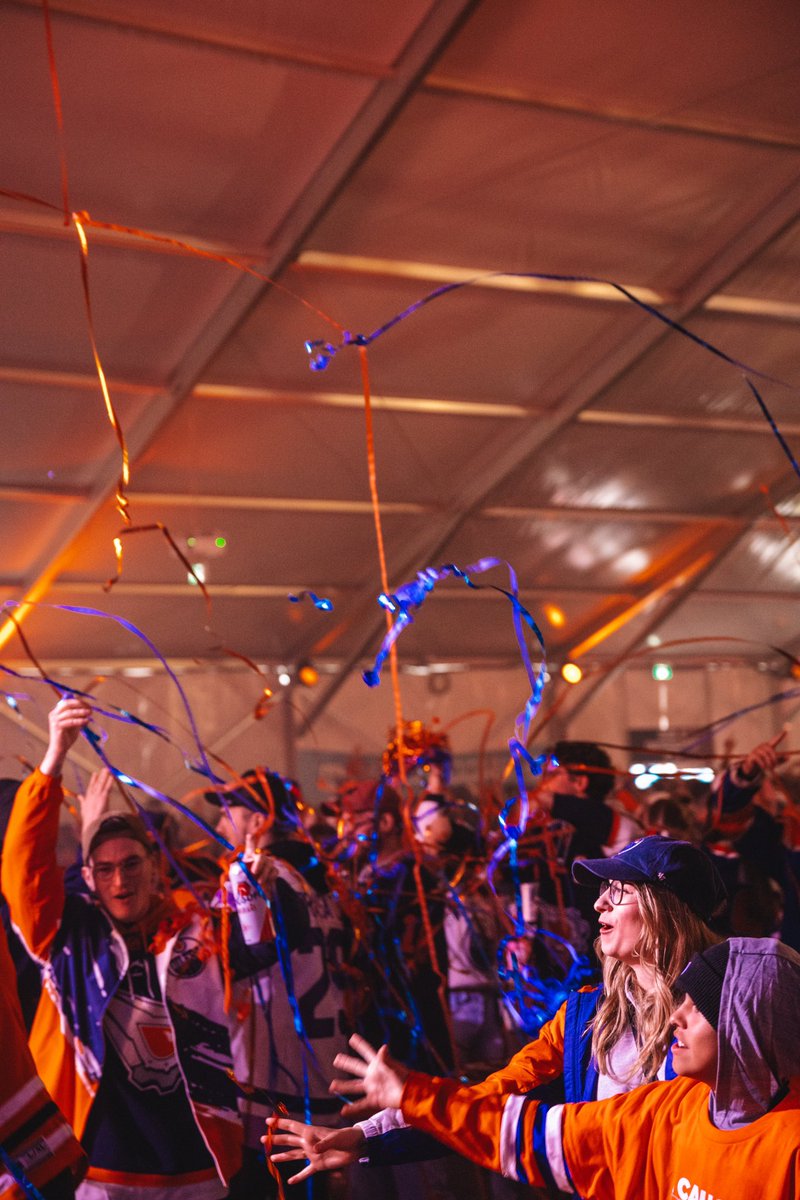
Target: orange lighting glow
x,y
308,675
679,579
571,672
554,615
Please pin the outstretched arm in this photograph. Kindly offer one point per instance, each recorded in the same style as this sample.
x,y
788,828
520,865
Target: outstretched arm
x,y
735,788
475,1126
322,1149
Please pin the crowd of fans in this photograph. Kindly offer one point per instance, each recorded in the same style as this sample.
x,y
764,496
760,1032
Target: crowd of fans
x,y
167,1002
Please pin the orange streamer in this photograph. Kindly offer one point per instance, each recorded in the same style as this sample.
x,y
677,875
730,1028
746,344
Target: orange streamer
x,y
56,90
161,527
198,252
398,707
376,513
124,477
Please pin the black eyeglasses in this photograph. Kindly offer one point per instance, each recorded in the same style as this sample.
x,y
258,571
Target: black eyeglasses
x,y
614,891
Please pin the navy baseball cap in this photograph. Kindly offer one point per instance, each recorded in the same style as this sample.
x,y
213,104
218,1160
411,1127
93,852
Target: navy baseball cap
x,y
680,867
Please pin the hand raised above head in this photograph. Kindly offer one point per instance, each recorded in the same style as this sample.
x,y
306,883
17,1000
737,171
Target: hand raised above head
x,y
763,758
94,801
66,721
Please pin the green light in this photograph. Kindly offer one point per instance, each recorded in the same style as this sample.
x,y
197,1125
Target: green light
x,y
190,541
220,542
662,672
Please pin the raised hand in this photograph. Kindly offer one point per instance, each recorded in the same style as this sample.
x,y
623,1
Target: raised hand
x,y
324,1149
66,721
763,758
378,1077
94,801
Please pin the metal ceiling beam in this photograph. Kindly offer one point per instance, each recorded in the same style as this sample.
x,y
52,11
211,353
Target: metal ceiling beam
x,y
479,278
275,591
41,223
299,504
280,591
514,446
424,405
638,420
324,506
141,668
96,12
484,278
42,493
286,397
604,114
73,380
430,38
50,226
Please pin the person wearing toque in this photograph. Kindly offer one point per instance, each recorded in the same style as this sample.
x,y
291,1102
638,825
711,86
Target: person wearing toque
x,y
728,1127
654,898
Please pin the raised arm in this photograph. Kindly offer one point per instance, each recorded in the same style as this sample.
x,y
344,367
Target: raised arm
x,y
31,879
469,1124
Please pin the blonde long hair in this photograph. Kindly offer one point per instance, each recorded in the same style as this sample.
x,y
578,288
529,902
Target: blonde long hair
x,y
671,934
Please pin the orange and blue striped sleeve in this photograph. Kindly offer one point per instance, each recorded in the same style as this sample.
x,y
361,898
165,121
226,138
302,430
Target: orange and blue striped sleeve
x,y
506,1133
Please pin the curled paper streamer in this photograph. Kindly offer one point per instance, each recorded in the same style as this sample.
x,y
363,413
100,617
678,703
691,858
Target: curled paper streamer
x,y
408,599
319,602
322,352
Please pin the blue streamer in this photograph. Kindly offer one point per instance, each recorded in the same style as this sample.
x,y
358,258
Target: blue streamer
x,y
114,713
411,596
205,768
17,1173
321,352
320,602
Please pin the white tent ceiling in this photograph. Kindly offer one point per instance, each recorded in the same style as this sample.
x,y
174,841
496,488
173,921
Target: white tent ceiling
x,y
362,154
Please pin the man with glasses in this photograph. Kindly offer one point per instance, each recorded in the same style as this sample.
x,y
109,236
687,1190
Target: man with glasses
x,y
121,866
132,1036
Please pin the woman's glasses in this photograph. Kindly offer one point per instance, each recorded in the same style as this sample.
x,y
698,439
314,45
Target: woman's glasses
x,y
614,891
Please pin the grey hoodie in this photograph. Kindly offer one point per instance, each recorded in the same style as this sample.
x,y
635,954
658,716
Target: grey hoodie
x,y
758,1035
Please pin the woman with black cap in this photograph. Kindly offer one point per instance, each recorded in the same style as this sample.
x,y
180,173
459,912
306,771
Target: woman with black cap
x,y
655,898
